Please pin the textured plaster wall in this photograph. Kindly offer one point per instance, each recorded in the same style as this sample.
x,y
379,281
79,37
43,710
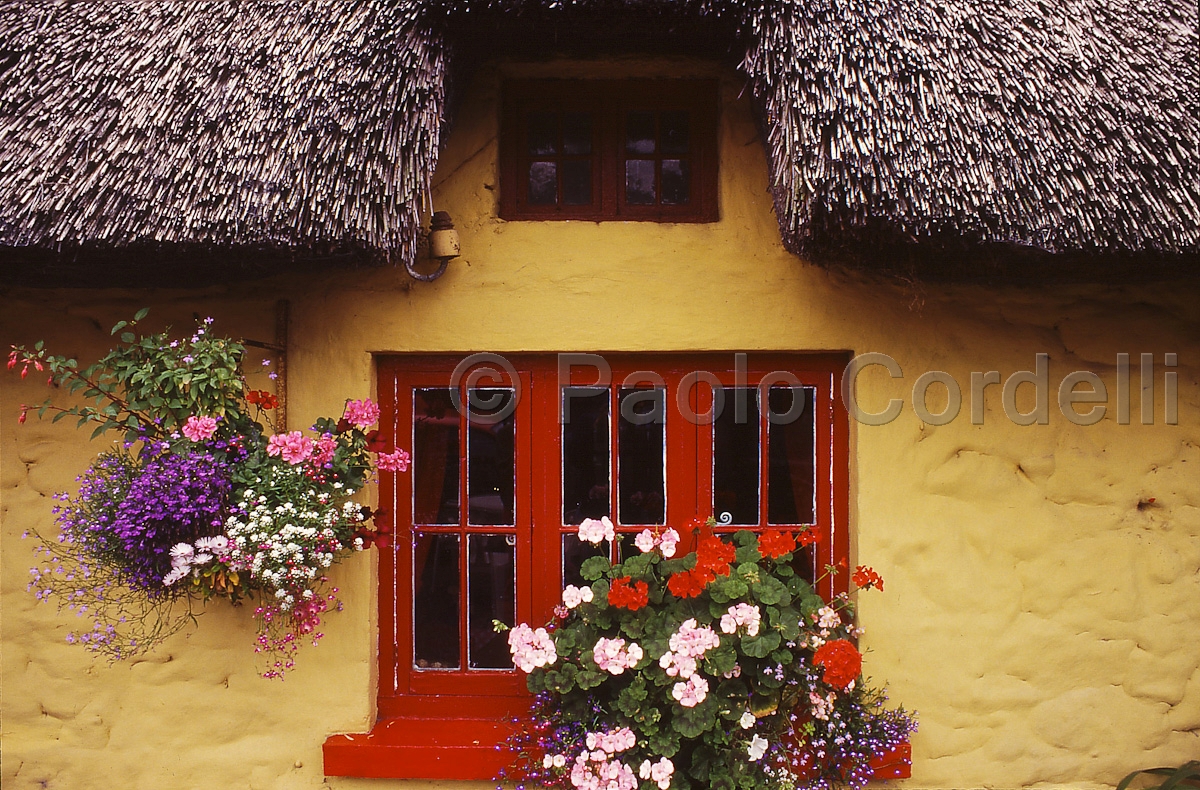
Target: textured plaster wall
x,y
1042,610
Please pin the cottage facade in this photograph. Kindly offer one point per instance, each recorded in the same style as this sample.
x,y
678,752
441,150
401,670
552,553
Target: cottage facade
x,y
1042,562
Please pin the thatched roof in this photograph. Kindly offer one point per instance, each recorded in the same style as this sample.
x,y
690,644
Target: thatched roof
x,y
312,126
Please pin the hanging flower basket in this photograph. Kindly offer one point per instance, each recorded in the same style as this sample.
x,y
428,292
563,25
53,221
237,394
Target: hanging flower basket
x,y
203,497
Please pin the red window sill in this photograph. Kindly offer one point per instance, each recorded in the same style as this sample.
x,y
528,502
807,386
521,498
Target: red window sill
x,y
422,748
457,748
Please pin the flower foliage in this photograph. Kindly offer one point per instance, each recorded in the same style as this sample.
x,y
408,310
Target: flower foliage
x,y
204,498
720,669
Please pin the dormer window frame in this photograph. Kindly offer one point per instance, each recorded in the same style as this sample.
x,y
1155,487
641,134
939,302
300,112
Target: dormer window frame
x,y
651,141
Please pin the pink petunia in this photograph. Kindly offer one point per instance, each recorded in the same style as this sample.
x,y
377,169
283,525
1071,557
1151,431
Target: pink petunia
x,y
199,429
394,462
294,447
361,413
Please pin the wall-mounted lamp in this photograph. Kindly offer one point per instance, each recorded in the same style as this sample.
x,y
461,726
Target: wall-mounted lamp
x,y
443,245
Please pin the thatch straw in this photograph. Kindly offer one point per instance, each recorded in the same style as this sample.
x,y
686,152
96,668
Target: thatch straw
x,y
309,124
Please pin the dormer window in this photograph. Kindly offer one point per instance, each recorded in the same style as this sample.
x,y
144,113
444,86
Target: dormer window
x,y
609,150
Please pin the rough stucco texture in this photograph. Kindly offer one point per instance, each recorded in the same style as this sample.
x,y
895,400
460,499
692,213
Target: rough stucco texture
x,y
1042,611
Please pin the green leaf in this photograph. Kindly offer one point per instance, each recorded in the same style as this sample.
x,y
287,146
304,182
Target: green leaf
x,y
694,722
127,337
118,327
761,646
594,567
140,314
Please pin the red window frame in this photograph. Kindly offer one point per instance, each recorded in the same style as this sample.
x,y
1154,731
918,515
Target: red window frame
x,y
609,101
447,726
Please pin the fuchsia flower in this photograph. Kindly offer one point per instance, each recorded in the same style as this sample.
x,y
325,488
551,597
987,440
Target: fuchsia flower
x,y
199,429
361,413
394,462
294,447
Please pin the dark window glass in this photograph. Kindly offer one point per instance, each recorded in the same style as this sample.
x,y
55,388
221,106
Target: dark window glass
x,y
435,601
674,134
791,431
574,552
435,457
491,595
577,134
577,182
490,458
639,133
676,182
543,133
585,437
641,456
736,458
543,183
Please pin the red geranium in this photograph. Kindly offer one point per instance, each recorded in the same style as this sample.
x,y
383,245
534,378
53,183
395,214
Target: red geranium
x,y
689,584
865,577
841,660
715,555
774,543
808,537
627,596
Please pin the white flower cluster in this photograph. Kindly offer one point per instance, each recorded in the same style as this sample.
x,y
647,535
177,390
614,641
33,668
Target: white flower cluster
x,y
287,546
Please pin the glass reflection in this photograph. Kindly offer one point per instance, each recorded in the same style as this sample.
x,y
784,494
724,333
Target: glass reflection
x,y
491,595
435,457
791,485
435,601
641,456
490,457
736,457
543,183
639,182
676,181
577,134
585,437
577,182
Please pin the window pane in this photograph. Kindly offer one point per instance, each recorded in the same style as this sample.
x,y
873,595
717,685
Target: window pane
x,y
543,133
490,460
574,552
543,183
577,134
639,133
577,182
585,437
676,182
736,458
435,601
491,595
791,461
641,456
435,457
639,182
674,135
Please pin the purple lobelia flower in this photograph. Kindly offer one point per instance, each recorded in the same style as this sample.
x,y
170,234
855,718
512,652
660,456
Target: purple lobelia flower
x,y
129,512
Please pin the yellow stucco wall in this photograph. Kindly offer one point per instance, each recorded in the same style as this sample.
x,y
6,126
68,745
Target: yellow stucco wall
x,y
1045,626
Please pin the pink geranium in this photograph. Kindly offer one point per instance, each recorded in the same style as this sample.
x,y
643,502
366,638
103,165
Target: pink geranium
x,y
294,447
199,429
394,462
324,449
361,413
